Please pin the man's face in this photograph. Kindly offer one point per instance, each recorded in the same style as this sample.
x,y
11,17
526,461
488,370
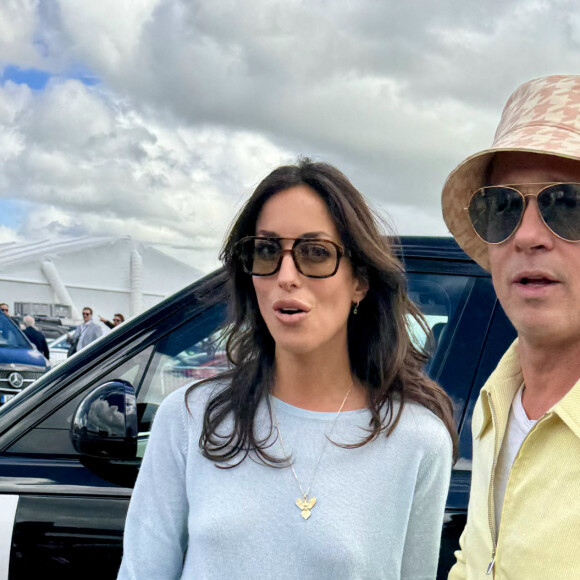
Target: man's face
x,y
4,308
536,275
86,315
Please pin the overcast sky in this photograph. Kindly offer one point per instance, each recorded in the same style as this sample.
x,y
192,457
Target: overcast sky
x,y
157,118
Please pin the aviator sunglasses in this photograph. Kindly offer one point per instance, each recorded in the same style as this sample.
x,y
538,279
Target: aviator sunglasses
x,y
313,257
496,211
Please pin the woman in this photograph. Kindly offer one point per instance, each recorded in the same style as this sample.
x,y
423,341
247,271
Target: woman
x,y
325,452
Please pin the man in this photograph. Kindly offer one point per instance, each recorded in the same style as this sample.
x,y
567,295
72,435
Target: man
x,y
117,319
85,333
35,336
515,208
5,309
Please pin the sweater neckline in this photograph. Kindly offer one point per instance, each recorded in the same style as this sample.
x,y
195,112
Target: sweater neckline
x,y
283,407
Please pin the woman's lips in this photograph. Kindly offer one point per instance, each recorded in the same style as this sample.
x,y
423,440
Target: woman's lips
x,y
290,311
290,317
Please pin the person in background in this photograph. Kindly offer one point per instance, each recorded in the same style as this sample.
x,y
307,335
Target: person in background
x,y
515,209
117,319
5,309
326,451
86,332
35,336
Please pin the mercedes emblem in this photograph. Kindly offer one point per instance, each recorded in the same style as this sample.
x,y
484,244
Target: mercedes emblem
x,y
16,380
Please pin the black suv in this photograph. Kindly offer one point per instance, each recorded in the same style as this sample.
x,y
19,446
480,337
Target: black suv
x,y
67,468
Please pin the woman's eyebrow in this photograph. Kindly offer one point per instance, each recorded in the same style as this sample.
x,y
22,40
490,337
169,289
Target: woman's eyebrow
x,y
316,235
269,234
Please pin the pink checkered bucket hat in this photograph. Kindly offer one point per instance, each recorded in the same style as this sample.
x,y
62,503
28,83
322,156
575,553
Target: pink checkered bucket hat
x,y
541,116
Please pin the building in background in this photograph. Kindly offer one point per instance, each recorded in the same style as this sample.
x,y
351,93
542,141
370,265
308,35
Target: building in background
x,y
58,278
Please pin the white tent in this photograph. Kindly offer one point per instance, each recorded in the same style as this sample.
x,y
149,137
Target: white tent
x,y
59,278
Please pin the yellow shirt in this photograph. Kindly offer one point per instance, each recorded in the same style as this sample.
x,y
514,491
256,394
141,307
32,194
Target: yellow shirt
x,y
539,536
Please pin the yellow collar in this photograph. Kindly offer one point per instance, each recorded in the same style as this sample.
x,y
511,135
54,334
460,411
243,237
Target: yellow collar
x,y
503,384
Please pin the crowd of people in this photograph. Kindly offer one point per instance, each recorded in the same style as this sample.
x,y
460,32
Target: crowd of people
x,y
83,334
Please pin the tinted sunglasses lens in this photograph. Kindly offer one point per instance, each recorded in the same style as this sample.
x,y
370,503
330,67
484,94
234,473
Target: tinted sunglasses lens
x,y
495,213
260,257
316,258
559,207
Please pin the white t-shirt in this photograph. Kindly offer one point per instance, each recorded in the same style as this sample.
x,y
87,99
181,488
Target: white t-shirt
x,y
518,427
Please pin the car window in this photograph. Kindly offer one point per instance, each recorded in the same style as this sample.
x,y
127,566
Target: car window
x,y
180,363
10,335
189,353
439,297
172,370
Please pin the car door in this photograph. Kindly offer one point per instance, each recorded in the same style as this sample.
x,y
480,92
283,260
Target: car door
x,y
469,334
64,512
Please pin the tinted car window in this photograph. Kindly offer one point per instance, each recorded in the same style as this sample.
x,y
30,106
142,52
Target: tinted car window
x,y
10,335
178,362
438,297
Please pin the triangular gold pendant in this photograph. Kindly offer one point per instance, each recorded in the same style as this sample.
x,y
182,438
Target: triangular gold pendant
x,y
306,505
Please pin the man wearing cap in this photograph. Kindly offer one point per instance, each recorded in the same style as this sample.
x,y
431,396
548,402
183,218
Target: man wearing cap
x,y
515,209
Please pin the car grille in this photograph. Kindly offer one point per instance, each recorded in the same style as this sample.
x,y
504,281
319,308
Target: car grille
x,y
28,376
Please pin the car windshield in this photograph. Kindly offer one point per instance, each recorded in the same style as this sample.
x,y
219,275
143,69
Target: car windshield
x,y
10,335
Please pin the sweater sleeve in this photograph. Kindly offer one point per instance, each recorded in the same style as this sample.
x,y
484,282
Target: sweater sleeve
x,y
156,537
423,538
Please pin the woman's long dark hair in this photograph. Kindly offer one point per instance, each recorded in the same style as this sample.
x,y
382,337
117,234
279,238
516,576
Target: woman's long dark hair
x,y
382,355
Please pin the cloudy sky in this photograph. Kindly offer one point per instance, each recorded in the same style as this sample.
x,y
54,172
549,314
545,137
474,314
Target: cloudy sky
x,y
157,118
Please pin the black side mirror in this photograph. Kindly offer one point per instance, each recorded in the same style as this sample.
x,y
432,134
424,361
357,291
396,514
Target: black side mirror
x,y
105,424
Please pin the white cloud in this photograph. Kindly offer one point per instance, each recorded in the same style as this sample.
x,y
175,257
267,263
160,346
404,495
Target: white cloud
x,y
103,168
18,25
198,100
8,235
117,28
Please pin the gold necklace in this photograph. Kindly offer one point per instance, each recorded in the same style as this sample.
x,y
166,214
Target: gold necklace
x,y
304,503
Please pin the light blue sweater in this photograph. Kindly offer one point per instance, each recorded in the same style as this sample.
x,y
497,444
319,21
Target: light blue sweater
x,y
379,512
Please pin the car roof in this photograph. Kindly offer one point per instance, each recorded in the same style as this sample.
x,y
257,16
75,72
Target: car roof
x,y
430,247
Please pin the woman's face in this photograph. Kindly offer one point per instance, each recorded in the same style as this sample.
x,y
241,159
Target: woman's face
x,y
304,315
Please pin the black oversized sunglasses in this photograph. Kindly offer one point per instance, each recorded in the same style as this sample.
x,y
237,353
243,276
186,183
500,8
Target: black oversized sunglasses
x,y
313,257
496,211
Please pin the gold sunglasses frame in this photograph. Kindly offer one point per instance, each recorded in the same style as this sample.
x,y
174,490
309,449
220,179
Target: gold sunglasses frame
x,y
514,187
